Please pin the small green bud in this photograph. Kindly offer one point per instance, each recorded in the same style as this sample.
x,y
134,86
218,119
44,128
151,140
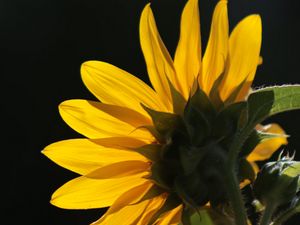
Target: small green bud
x,y
278,182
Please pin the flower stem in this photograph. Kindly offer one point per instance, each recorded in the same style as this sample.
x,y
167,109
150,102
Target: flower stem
x,y
233,187
267,214
235,197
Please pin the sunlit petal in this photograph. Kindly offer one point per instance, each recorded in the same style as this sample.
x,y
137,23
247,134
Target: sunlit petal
x,y
84,156
217,47
87,118
159,62
187,58
115,86
86,193
243,54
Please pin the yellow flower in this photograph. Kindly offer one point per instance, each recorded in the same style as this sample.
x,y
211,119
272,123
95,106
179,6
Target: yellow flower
x,y
114,164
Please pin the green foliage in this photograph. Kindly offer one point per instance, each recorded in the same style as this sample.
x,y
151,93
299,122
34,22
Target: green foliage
x,y
269,101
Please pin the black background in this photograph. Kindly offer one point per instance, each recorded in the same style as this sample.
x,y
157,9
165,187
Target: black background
x,y
44,42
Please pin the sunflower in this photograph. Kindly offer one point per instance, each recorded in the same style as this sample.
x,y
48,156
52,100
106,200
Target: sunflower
x,y
151,153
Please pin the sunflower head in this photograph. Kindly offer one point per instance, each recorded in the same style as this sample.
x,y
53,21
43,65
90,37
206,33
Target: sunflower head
x,y
194,148
156,155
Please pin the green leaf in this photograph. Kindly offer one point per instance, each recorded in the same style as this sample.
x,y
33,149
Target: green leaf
x,y
158,175
269,101
214,94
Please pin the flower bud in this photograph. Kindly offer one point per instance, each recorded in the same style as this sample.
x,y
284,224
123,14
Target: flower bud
x,y
278,182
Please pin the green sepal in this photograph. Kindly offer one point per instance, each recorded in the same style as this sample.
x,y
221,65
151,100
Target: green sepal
x,y
231,119
214,94
197,124
269,101
202,103
164,177
165,123
255,138
178,100
198,115
150,151
293,170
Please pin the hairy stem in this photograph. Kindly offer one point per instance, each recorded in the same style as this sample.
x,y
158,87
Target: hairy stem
x,y
235,198
233,186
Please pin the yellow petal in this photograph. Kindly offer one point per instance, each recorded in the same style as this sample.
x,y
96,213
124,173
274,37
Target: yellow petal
x,y
86,193
124,114
84,156
187,58
123,204
155,204
159,62
123,143
245,90
132,196
128,215
217,48
265,149
171,217
88,119
119,169
244,49
115,86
